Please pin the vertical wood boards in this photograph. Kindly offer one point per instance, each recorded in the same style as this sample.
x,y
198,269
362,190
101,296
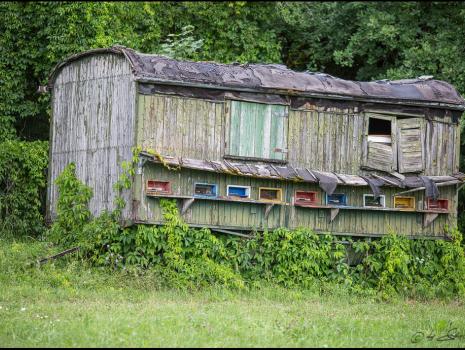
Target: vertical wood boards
x,y
257,130
328,141
92,126
181,126
411,153
335,141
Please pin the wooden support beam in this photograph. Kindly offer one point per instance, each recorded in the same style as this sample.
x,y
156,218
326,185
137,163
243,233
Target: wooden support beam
x,y
447,183
385,180
232,233
399,176
268,209
428,218
334,212
186,203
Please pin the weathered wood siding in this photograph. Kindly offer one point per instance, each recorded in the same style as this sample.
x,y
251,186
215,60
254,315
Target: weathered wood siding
x,y
327,141
93,115
247,216
442,146
257,130
333,141
330,140
181,126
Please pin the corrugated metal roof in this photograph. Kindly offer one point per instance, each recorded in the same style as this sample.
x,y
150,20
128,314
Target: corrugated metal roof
x,y
279,79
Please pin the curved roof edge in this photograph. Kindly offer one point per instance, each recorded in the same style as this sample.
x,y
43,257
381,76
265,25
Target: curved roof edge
x,y
277,78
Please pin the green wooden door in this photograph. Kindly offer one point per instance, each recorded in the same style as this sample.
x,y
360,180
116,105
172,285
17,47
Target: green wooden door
x,y
258,130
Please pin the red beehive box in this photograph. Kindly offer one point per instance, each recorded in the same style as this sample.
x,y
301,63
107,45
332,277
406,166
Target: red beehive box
x,y
306,198
158,187
439,204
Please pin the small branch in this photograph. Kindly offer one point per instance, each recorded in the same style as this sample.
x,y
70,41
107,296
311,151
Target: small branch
x,y
68,251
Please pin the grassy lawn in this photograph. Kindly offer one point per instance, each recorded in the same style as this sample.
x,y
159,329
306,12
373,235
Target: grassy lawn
x,y
67,304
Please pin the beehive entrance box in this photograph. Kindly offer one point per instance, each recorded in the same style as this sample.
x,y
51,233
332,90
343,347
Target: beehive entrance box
x,y
270,194
306,198
336,199
439,204
404,203
158,187
369,201
205,190
238,191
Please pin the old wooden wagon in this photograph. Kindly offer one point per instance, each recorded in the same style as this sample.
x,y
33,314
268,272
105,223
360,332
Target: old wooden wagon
x,y
248,147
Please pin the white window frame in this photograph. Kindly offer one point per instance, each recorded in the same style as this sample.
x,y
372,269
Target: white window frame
x,y
383,201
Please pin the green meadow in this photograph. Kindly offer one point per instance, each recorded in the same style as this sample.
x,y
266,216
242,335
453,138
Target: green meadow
x,y
65,303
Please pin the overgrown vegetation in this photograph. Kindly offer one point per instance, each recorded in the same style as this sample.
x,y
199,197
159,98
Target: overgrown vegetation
x,y
192,258
23,171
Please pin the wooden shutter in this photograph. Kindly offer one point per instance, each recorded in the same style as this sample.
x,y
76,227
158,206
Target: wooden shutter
x,y
376,155
258,130
380,156
410,138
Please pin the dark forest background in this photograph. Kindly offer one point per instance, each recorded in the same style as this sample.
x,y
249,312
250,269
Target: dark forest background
x,y
351,40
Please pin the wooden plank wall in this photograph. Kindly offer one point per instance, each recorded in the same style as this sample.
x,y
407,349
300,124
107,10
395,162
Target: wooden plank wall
x,y
93,112
258,130
180,126
247,216
332,141
442,144
329,140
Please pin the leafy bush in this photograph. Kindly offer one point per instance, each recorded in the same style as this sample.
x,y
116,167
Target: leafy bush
x,y
422,268
23,173
185,257
72,208
291,258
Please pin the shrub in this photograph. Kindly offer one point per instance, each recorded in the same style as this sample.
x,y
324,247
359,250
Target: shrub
x,y
23,169
72,208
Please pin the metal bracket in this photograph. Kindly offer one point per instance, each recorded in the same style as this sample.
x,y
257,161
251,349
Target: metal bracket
x,y
140,164
268,209
429,218
334,212
186,203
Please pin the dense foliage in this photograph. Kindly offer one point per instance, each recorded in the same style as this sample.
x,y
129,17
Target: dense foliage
x,y
379,40
23,176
